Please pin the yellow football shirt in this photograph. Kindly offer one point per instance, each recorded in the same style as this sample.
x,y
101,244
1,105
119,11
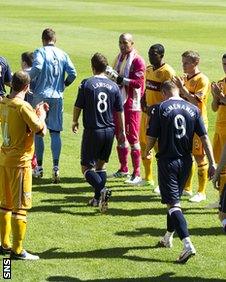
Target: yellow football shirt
x,y
19,122
154,80
199,83
221,112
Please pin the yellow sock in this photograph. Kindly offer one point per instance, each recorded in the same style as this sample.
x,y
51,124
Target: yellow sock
x,y
188,185
147,169
222,181
202,177
19,224
5,226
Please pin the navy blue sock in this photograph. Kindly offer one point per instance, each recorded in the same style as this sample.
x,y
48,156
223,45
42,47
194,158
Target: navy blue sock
x,y
170,225
95,181
103,176
179,222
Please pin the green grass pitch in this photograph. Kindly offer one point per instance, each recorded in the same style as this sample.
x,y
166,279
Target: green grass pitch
x,y
76,242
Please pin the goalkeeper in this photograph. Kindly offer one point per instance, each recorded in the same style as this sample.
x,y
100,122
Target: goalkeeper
x,y
128,73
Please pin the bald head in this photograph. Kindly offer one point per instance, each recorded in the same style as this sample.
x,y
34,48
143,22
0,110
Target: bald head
x,y
126,43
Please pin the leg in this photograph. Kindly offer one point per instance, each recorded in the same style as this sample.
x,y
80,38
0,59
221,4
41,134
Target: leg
x,y
142,136
222,208
5,227
123,153
202,179
39,149
5,209
56,149
55,146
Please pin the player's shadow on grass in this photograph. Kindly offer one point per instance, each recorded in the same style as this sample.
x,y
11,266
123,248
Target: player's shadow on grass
x,y
63,180
166,277
157,232
58,189
117,252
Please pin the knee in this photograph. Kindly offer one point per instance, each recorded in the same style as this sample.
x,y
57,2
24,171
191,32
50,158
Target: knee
x,y
135,146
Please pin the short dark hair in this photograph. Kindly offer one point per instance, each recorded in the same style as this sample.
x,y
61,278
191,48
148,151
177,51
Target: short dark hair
x,y
224,56
27,57
19,80
159,48
99,62
169,86
48,34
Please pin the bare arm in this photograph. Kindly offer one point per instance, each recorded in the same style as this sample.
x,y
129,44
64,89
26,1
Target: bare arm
x,y
76,114
150,144
209,152
121,124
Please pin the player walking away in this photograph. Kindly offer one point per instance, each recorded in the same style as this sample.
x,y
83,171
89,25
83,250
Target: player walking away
x,y
98,97
156,74
49,68
5,76
26,64
19,122
195,87
219,139
217,184
173,124
129,70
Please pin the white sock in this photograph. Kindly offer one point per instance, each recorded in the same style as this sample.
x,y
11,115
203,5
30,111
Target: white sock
x,y
187,242
224,223
169,234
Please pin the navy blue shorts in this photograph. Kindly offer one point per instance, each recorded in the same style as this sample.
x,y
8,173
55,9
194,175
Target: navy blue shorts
x,y
96,145
222,206
172,177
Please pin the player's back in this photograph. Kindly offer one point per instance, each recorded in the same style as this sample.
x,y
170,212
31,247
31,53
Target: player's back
x,y
99,97
178,120
17,147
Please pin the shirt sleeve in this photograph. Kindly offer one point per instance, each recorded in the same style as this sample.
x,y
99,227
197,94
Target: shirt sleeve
x,y
154,123
80,100
200,128
37,64
8,75
118,105
138,73
70,70
202,89
31,119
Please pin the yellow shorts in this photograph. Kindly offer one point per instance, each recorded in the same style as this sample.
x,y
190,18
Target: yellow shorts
x,y
15,187
219,140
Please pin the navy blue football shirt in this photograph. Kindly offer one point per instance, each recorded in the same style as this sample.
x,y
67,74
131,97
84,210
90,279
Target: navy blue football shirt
x,y
5,75
174,123
98,96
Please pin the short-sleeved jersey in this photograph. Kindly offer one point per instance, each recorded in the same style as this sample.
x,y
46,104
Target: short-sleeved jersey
x,y
154,80
19,122
174,123
49,68
199,83
5,75
98,96
221,112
